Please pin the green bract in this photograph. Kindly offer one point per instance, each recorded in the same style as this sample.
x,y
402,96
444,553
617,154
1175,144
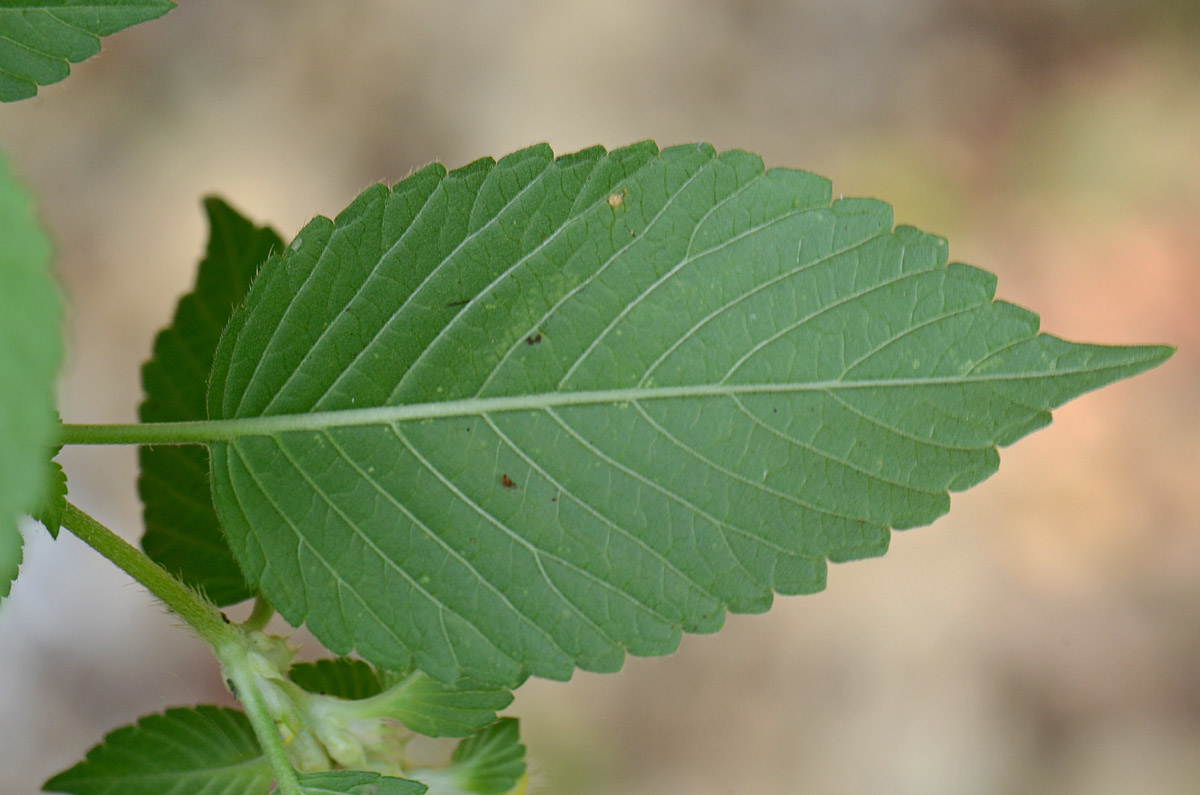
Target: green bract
x,y
534,415
30,351
39,39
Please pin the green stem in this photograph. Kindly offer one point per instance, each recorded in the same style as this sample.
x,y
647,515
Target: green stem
x,y
228,641
236,663
260,615
201,615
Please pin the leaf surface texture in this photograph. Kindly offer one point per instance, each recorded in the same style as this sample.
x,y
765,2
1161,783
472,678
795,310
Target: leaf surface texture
x,y
189,751
534,415
39,39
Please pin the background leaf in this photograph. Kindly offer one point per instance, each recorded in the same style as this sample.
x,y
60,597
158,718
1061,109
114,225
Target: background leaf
x,y
30,352
534,415
354,782
182,531
340,678
192,751
40,38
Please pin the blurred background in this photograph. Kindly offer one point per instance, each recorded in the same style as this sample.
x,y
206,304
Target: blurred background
x,y
1042,638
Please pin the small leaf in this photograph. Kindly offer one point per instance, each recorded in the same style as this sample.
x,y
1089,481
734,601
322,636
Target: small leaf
x,y
182,531
420,702
39,38
54,500
198,751
735,380
434,709
355,782
30,352
340,678
491,762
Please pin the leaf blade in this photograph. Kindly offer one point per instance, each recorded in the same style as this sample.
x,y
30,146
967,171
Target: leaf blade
x,y
30,353
182,530
40,38
534,415
209,750
356,782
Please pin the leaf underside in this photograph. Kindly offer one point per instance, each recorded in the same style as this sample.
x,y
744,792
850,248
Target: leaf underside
x,y
189,751
30,351
535,415
182,531
39,39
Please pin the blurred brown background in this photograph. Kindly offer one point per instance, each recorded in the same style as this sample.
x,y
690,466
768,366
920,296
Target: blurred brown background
x,y
1043,638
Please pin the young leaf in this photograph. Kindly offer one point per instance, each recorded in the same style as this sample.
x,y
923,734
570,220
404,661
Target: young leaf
x,y
30,351
491,762
40,38
340,678
182,532
434,709
538,414
420,702
188,751
355,782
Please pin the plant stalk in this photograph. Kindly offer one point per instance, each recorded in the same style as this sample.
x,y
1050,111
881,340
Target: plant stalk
x,y
200,614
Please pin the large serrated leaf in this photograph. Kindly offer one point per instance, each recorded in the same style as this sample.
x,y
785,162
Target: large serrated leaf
x,y
182,531
30,351
189,751
534,415
39,39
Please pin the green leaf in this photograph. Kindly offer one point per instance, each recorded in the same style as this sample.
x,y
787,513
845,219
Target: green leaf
x,y
491,762
340,678
182,531
435,709
195,751
420,702
30,352
534,415
354,782
40,38
54,499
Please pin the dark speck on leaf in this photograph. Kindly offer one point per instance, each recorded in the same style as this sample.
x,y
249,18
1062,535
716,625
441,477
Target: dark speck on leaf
x,y
533,339
459,303
507,482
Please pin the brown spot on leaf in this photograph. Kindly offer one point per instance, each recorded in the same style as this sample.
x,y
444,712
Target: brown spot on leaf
x,y
533,339
507,482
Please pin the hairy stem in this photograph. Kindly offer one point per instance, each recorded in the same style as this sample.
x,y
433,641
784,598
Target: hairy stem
x,y
229,642
235,661
200,614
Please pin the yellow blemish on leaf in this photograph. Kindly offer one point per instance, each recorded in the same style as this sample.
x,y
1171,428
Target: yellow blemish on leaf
x,y
615,200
